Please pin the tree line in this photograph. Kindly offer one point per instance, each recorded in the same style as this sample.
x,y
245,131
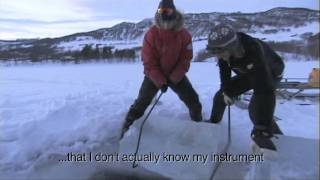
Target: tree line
x,y
39,52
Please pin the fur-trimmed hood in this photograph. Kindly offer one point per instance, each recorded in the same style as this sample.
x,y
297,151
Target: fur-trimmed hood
x,y
177,23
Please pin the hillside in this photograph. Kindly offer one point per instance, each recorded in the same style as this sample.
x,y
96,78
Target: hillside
x,y
291,30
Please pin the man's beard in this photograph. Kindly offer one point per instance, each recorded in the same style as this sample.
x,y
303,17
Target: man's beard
x,y
168,25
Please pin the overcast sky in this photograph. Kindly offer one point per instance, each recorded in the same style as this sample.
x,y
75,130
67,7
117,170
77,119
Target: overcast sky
x,y
53,18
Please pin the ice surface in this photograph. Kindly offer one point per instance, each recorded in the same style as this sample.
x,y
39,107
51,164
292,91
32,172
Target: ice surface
x,y
184,147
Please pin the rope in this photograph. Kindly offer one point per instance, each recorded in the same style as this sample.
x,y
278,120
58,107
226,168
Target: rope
x,y
134,165
225,149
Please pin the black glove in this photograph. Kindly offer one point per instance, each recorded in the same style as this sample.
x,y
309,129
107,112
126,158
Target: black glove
x,y
164,88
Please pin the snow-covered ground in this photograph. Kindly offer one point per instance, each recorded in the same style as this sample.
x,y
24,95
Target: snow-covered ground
x,y
80,42
291,33
56,109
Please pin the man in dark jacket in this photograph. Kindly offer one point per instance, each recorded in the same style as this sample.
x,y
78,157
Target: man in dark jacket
x,y
166,55
257,67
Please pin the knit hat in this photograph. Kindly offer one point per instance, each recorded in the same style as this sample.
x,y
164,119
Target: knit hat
x,y
221,36
167,10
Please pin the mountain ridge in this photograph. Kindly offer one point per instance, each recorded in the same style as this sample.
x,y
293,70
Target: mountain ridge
x,y
290,24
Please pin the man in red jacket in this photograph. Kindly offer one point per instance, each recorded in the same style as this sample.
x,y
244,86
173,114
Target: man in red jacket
x,y
166,55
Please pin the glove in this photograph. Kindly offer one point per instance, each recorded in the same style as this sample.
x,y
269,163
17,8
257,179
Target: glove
x,y
227,100
164,88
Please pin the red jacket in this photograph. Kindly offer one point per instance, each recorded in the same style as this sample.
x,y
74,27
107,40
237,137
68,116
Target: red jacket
x,y
166,55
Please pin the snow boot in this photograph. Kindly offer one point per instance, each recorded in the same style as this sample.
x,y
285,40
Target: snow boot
x,y
127,123
263,139
275,128
197,117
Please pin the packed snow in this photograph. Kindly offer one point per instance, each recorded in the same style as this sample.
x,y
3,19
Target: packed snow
x,y
48,111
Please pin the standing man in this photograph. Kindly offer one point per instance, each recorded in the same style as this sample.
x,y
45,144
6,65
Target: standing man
x,y
166,55
257,67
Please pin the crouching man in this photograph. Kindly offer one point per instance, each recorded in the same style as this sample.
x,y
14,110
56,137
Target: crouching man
x,y
257,67
166,55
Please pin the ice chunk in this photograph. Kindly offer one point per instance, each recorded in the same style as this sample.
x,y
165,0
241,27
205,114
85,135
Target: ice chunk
x,y
175,148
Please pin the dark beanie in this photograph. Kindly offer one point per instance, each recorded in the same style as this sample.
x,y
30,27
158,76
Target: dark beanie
x,y
221,35
167,4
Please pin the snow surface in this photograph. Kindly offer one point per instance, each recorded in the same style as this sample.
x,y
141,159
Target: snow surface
x,y
297,157
49,110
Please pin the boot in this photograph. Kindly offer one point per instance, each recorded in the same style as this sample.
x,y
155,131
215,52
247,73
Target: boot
x,y
197,117
263,139
214,121
275,128
126,125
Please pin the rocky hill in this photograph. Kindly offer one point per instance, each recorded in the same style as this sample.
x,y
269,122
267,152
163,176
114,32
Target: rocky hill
x,y
281,27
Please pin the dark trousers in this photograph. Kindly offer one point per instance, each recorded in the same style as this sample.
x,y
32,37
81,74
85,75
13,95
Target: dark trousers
x,y
261,106
148,90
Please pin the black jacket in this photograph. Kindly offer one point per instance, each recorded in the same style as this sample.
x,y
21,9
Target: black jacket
x,y
261,65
